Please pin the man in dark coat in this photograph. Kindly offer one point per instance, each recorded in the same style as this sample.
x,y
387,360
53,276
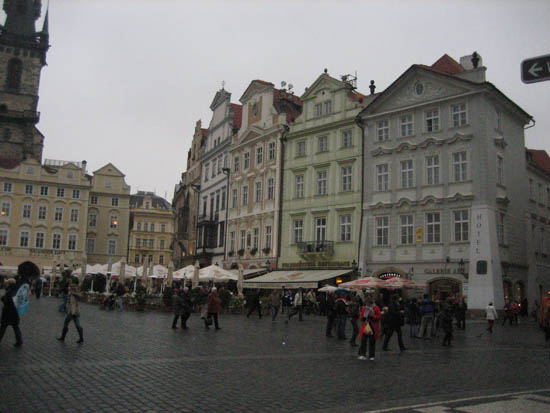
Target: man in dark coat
x,y
254,304
10,316
331,314
395,321
177,302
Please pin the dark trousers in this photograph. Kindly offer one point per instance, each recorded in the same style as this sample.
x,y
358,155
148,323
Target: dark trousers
x,y
508,317
389,333
372,345
354,329
16,330
330,325
274,312
296,310
447,339
38,292
255,307
341,326
184,318
210,317
75,318
461,322
491,323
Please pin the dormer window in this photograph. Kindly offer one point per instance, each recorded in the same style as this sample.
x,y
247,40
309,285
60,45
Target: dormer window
x,y
15,70
255,109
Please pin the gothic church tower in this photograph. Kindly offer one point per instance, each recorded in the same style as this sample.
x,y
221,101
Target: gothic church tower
x,y
22,57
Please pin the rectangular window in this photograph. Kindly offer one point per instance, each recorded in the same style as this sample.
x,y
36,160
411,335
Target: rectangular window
x,y
243,239
42,212
8,187
223,198
432,169
383,130
236,164
500,216
24,239
407,174
382,231
322,144
299,186
161,244
318,109
93,200
320,229
6,207
90,246
301,148
232,241
27,211
76,194
220,164
39,240
58,216
74,215
382,177
222,234
271,151
44,190
255,239
217,201
60,192
139,226
162,227
460,166
138,242
459,114
146,226
298,230
114,201
258,192
321,182
268,236
136,259
270,188
347,139
214,165
406,229
161,259
346,178
500,170
112,249
56,241
246,160
328,107
259,155
29,189
406,125
248,240
431,118
234,199
71,243
461,225
152,227
3,237
433,227
245,195
114,221
345,228
206,172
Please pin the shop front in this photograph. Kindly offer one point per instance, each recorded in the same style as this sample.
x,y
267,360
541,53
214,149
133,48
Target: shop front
x,y
444,287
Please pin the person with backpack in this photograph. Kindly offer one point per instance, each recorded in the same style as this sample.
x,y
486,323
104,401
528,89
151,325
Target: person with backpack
x,y
427,312
10,316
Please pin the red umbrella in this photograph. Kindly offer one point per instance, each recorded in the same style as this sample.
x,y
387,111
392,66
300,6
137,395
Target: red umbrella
x,y
367,282
400,283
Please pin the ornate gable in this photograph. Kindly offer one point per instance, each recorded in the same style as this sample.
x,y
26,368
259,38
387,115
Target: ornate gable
x,y
323,82
221,96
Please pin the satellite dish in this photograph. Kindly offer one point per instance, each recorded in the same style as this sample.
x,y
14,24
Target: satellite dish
x,y
290,86
283,83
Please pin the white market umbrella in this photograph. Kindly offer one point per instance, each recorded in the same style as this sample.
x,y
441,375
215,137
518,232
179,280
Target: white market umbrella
x,y
170,275
185,273
328,289
216,274
159,271
367,282
82,269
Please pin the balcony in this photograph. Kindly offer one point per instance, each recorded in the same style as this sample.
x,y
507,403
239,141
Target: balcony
x,y
313,248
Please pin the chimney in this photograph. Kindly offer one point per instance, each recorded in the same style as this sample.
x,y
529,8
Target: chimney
x,y
475,71
84,163
372,87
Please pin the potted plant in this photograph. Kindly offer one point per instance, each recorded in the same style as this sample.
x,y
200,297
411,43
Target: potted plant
x,y
240,252
266,250
253,251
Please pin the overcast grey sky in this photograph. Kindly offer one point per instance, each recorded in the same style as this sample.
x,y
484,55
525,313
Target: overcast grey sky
x,y
127,79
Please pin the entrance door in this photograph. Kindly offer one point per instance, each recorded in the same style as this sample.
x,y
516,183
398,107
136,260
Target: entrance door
x,y
443,288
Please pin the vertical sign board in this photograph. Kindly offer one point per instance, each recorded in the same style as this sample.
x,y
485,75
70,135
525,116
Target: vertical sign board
x,y
535,69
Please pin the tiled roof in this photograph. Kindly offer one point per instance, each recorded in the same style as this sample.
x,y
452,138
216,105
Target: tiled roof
x,y
237,115
287,103
540,158
9,163
447,64
263,82
358,97
136,200
204,132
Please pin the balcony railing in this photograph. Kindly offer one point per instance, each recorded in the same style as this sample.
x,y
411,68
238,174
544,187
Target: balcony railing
x,y
316,247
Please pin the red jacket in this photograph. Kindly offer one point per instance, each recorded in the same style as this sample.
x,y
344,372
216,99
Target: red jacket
x,y
374,321
214,303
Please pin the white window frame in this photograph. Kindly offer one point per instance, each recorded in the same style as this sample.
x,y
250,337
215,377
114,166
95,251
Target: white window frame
x,y
8,187
433,227
271,151
245,195
383,130
72,241
322,182
44,190
75,194
90,245
258,190
460,166
298,230
236,164
321,225
347,138
259,155
58,214
270,188
300,148
268,236
235,198
5,210
382,177
57,239
322,144
75,215
461,225
299,182
42,212
432,170
60,193
406,125
431,120
406,229
318,109
246,161
114,201
39,240
345,228
346,173
24,239
4,237
459,114
26,212
407,173
382,231
111,247
29,189
327,106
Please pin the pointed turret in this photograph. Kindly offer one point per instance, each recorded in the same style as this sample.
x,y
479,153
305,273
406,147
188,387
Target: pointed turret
x,y
21,16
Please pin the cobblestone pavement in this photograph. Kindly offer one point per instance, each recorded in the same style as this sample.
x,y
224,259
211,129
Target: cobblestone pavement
x,y
134,362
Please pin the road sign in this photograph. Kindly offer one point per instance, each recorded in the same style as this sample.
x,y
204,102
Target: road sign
x,y
535,69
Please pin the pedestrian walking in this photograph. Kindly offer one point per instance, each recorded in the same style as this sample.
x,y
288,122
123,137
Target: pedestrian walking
x,y
254,303
354,307
447,323
427,311
65,291
331,314
287,301
491,315
73,312
297,305
214,308
461,313
177,303
413,317
370,328
120,291
508,314
10,316
274,303
514,308
38,287
341,309
396,320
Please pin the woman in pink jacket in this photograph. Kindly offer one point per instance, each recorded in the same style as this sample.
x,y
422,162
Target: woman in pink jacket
x,y
370,328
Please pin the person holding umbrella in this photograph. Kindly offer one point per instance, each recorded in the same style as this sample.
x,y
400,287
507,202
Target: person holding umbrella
x,y
73,312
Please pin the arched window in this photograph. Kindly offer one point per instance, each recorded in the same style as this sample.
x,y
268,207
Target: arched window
x,y
15,70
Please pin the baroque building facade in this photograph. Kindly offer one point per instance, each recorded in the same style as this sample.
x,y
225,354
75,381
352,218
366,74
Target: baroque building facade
x,y
445,182
254,201
321,204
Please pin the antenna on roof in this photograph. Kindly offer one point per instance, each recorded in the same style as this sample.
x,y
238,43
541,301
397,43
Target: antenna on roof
x,y
350,80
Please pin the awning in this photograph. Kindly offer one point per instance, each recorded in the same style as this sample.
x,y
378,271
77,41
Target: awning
x,y
293,279
250,272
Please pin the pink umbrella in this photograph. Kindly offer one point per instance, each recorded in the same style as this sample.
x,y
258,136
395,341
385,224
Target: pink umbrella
x,y
367,282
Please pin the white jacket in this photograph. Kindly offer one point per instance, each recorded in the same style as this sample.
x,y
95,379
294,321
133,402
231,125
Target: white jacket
x,y
491,312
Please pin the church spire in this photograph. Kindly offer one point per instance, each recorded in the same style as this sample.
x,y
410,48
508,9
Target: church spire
x,y
21,16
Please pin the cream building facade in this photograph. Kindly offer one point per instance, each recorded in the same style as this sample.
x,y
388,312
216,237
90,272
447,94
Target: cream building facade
x,y
151,229
254,202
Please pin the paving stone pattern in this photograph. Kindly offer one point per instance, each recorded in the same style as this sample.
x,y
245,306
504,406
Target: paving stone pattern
x,y
134,362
